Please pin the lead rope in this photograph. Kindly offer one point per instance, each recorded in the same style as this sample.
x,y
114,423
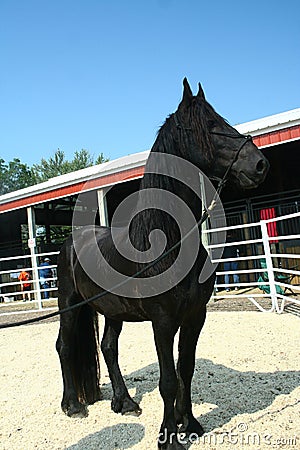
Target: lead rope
x,y
206,213
102,294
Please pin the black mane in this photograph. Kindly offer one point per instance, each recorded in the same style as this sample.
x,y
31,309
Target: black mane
x,y
197,120
181,133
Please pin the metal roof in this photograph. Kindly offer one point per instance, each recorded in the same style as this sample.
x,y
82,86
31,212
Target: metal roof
x,y
270,123
267,131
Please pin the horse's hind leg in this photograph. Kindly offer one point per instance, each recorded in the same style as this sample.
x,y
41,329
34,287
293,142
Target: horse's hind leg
x,y
188,338
64,346
121,402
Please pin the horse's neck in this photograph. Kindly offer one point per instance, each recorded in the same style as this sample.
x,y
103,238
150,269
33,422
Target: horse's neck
x,y
156,218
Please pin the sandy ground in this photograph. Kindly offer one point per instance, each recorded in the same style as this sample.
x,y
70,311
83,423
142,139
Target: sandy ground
x,y
246,390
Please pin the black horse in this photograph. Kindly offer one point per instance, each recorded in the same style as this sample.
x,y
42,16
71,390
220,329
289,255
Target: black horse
x,y
195,136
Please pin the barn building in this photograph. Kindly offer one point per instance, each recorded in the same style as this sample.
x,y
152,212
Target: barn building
x,y
40,216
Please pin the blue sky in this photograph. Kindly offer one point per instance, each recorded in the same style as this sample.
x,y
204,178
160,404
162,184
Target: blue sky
x,y
104,75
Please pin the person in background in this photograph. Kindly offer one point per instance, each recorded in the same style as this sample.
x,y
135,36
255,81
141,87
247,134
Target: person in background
x,y
231,251
24,278
45,272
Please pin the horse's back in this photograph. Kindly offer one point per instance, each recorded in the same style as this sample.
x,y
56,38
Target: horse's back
x,y
69,255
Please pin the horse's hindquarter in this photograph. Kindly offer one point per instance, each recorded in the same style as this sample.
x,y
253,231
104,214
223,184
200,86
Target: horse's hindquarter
x,y
95,255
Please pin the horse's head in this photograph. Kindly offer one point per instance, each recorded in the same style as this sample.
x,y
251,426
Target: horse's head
x,y
214,146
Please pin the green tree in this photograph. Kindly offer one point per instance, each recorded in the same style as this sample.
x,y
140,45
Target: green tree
x,y
101,159
15,175
83,159
2,176
54,166
59,165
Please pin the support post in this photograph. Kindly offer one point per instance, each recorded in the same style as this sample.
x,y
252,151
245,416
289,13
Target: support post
x,y
204,225
269,263
102,205
34,262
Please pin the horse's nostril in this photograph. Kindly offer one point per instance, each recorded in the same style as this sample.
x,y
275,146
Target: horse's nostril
x,y
260,166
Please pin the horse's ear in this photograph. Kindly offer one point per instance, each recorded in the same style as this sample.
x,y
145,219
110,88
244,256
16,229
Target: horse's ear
x,y
187,93
200,93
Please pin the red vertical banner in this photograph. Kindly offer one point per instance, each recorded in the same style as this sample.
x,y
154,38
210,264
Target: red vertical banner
x,y
269,213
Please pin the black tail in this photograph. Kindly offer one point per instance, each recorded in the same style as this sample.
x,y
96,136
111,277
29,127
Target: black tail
x,y
85,356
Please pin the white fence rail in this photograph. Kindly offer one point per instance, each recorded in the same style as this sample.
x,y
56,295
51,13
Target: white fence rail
x,y
268,269
11,288
270,264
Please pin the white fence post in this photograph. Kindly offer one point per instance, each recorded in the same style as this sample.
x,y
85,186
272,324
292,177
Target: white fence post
x,y
269,263
204,225
35,272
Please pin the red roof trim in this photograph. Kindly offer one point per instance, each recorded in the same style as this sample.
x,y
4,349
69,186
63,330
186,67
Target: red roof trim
x,y
275,137
263,140
73,189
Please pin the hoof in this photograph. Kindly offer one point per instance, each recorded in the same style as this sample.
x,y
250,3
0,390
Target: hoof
x,y
191,427
78,411
135,413
125,406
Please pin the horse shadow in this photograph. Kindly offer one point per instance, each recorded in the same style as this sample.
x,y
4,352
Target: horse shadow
x,y
229,392
112,438
234,393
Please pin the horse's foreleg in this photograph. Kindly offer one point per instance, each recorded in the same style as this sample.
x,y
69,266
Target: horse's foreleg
x,y
188,338
121,402
65,348
164,332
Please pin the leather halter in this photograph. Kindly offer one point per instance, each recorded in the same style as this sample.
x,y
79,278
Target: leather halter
x,y
246,138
